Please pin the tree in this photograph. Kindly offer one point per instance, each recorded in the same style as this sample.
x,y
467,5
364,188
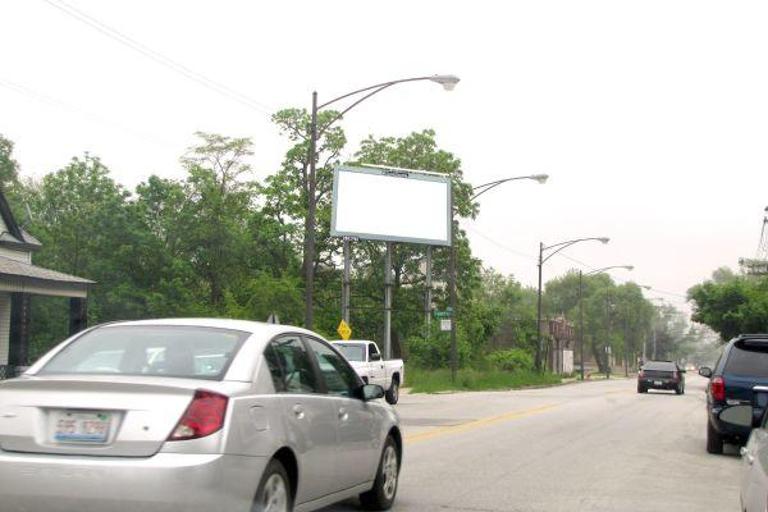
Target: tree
x,y
9,168
213,220
731,304
289,191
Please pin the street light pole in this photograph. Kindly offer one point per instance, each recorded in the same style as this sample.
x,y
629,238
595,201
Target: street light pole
x,y
479,190
447,81
557,248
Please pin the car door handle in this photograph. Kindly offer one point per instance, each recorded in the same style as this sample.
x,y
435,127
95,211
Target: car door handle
x,y
298,411
747,456
343,415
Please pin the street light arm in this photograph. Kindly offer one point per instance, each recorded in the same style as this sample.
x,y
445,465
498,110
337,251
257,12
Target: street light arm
x,y
377,86
598,271
541,178
564,245
353,105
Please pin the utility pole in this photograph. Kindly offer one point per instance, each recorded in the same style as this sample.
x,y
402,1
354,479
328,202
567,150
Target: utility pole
x,y
581,322
309,223
345,284
453,292
388,302
428,292
538,311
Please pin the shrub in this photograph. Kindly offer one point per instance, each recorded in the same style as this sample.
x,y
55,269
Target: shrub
x,y
511,360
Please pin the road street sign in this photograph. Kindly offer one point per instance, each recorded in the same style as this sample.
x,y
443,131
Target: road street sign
x,y
344,330
448,313
445,324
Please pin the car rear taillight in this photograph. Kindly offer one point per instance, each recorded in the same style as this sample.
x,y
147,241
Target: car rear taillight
x,y
717,388
204,416
641,374
675,376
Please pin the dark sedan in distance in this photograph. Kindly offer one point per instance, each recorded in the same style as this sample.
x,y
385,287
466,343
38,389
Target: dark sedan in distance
x,y
661,375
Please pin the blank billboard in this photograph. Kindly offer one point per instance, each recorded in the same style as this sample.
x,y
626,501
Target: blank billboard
x,y
392,205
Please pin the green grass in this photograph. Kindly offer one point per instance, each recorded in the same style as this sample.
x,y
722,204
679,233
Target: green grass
x,y
434,381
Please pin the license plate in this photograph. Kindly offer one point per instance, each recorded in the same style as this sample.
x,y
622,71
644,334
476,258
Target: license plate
x,y
657,383
81,426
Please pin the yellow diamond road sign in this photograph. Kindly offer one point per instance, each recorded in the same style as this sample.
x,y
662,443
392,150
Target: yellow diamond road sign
x,y
344,330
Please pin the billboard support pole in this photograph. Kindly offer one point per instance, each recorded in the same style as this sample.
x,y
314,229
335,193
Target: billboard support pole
x,y
452,278
388,302
428,292
345,291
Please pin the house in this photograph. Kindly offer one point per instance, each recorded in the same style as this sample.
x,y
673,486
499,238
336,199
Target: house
x,y
20,281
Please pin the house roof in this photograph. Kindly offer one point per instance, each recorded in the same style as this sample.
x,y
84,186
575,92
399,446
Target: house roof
x,y
9,267
14,234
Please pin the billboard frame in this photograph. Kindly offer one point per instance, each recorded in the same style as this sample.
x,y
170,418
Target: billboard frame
x,y
394,172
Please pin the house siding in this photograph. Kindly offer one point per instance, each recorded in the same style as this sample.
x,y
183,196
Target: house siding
x,y
5,326
23,256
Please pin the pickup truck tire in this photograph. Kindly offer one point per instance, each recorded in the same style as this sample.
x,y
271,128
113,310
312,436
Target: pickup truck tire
x,y
382,494
714,440
393,393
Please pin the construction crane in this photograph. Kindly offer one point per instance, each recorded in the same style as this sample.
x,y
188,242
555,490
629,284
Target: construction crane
x,y
758,266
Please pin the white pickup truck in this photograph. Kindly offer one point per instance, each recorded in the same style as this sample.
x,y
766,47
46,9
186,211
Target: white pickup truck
x,y
365,358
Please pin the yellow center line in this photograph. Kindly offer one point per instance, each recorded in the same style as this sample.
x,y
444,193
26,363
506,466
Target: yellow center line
x,y
476,424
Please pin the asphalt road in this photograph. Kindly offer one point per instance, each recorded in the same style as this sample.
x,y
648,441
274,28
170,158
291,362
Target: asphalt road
x,y
595,446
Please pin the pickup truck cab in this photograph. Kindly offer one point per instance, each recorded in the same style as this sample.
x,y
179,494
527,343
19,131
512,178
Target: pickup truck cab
x,y
365,357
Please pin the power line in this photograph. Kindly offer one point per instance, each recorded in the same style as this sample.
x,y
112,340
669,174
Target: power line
x,y
580,263
158,57
49,100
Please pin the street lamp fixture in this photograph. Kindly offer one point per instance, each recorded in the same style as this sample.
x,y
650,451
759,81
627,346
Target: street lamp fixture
x,y
447,81
581,305
555,248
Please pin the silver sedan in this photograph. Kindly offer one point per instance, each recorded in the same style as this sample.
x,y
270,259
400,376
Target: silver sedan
x,y
194,415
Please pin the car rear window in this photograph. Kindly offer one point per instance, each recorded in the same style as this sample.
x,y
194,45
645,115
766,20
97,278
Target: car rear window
x,y
662,366
157,351
748,360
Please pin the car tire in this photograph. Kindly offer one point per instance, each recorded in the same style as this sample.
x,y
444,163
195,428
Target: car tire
x,y
382,494
393,393
274,492
641,389
679,390
714,440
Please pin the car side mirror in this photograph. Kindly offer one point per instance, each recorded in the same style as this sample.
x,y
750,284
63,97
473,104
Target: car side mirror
x,y
375,357
372,392
705,371
682,371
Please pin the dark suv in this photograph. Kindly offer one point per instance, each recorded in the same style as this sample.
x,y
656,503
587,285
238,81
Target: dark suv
x,y
661,375
737,393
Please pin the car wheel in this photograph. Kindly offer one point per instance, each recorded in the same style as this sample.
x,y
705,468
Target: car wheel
x,y
274,493
641,389
382,495
679,390
393,393
714,440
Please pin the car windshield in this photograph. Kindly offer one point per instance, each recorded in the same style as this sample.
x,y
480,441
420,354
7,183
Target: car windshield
x,y
352,351
660,366
748,360
162,351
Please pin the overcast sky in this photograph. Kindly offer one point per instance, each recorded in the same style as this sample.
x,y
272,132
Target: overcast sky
x,y
651,117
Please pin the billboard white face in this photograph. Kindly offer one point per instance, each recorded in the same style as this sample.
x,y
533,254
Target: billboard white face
x,y
391,205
